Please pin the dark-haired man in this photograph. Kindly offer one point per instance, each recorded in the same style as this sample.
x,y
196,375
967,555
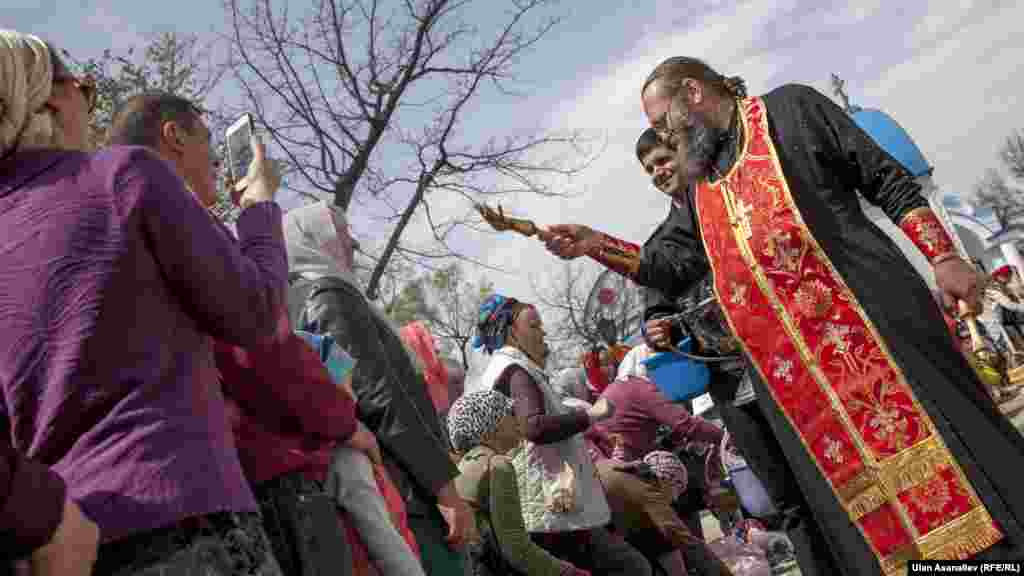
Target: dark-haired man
x,y
268,452
172,126
439,519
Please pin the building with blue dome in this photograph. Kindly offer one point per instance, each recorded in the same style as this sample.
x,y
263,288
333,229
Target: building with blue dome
x,y
893,138
976,229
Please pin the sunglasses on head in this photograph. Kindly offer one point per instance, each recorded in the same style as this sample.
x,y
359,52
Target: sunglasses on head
x,y
86,85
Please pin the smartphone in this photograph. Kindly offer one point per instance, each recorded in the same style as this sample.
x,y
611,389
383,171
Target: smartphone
x,y
238,138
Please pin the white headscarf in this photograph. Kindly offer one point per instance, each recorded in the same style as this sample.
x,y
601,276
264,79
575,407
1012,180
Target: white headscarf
x,y
319,245
26,80
318,242
632,364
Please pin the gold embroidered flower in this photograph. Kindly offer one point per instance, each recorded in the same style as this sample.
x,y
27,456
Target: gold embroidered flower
x,y
785,256
813,299
890,426
838,336
834,450
739,294
783,370
932,497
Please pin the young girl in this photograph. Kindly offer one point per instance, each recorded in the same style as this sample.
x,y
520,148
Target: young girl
x,y
483,428
362,489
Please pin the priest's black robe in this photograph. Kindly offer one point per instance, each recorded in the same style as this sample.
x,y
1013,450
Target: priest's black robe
x,y
826,160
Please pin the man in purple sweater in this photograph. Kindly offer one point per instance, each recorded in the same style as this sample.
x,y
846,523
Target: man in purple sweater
x,y
112,280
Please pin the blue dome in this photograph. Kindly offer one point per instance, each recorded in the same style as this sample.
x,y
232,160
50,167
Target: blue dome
x,y
893,139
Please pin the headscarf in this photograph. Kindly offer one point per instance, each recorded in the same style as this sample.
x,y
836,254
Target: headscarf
x,y
669,470
1003,272
475,415
493,321
418,339
26,81
338,362
632,365
596,367
319,244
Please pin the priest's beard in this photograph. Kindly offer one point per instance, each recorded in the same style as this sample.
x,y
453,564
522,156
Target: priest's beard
x,y
698,150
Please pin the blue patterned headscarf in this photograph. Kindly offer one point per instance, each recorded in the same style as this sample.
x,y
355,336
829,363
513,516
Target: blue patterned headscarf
x,y
496,315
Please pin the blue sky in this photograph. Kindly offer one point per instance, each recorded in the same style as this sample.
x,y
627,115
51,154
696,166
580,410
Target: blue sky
x,y
947,71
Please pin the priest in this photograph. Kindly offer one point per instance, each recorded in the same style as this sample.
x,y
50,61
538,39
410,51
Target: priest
x,y
879,415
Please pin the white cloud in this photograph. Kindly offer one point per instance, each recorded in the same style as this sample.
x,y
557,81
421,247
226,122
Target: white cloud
x,y
958,99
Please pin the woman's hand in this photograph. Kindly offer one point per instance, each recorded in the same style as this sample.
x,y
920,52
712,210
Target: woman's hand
x,y
601,410
364,441
72,551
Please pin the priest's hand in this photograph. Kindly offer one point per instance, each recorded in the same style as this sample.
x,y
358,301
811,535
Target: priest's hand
x,y
959,281
570,241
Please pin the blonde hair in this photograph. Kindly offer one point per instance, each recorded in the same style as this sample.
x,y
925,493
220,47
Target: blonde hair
x,y
26,81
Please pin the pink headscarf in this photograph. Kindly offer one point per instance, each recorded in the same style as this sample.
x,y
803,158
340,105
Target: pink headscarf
x,y
416,336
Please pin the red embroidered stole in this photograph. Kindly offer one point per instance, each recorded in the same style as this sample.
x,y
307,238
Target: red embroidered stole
x,y
829,370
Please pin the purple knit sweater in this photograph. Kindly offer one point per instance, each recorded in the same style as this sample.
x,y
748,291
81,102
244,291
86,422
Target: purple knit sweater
x,y
112,281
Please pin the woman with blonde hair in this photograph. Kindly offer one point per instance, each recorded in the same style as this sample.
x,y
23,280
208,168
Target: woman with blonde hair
x,y
112,281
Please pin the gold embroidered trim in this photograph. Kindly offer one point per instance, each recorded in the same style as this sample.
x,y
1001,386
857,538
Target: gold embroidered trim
x,y
881,481
961,538
986,534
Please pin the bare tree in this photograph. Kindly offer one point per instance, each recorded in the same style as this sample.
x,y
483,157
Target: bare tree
x,y
564,299
170,62
1005,201
369,97
458,303
1012,154
447,301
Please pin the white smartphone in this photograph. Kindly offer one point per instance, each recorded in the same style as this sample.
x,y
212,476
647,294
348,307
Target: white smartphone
x,y
238,138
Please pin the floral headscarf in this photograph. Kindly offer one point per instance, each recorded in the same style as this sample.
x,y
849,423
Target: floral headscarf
x,y
475,415
495,316
669,470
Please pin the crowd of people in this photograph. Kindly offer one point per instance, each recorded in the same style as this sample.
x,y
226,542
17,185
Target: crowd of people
x,y
184,399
